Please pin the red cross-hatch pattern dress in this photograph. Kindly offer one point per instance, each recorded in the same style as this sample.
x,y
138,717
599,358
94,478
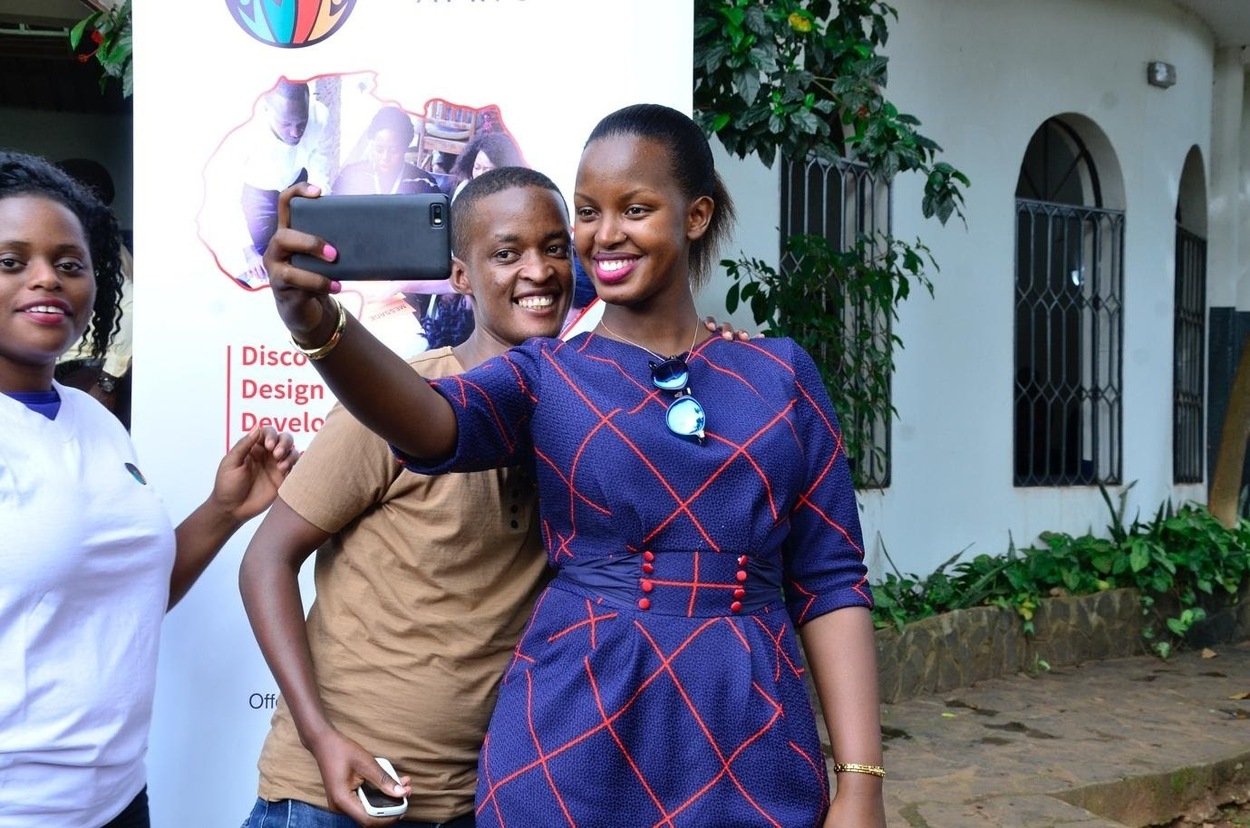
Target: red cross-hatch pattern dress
x,y
659,682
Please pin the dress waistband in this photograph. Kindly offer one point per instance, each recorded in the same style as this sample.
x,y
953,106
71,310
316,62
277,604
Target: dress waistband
x,y
692,584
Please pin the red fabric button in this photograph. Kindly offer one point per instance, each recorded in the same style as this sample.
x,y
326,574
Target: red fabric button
x,y
741,576
742,560
740,593
648,568
647,586
644,603
736,606
648,555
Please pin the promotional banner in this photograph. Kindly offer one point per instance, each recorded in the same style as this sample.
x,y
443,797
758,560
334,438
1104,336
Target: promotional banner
x,y
235,100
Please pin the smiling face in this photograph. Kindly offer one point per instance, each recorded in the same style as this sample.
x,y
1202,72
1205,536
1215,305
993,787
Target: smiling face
x,y
633,225
517,265
47,289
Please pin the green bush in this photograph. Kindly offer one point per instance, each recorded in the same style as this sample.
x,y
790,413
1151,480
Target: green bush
x,y
1178,561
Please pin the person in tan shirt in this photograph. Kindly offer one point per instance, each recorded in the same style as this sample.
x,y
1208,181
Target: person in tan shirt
x,y
424,584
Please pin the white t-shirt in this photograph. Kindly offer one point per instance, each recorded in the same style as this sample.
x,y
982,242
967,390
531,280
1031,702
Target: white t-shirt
x,y
86,550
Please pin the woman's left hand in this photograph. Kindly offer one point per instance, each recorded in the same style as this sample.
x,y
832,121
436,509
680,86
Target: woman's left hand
x,y
857,808
251,472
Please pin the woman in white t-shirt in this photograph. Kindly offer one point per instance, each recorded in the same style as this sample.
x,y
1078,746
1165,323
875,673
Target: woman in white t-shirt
x,y
89,561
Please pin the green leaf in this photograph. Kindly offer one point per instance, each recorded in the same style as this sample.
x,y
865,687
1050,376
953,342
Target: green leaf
x,y
80,28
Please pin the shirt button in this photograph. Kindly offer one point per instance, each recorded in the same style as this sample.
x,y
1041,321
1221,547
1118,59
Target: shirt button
x,y
740,593
648,556
736,606
742,560
644,603
648,568
741,576
647,586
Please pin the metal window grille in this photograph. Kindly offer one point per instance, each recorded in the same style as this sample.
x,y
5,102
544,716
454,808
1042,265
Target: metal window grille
x,y
1189,347
1069,344
843,201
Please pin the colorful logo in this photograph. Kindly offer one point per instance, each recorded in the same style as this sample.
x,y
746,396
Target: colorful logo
x,y
290,24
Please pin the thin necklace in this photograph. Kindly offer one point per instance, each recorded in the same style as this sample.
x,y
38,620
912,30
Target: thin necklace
x,y
629,341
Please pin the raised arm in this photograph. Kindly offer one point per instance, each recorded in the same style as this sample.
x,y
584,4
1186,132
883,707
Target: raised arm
x,y
269,584
371,381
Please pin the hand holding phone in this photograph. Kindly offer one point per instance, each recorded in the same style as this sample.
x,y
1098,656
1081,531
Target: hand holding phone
x,y
377,803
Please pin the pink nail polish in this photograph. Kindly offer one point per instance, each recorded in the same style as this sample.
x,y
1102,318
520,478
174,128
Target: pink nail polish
x,y
335,287
329,252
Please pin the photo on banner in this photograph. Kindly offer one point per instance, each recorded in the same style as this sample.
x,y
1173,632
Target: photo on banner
x,y
335,132
234,101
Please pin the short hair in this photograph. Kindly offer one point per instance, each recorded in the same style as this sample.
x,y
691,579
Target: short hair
x,y
691,165
295,91
464,206
394,119
29,175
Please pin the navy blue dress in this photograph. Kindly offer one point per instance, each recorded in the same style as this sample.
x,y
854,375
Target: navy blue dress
x,y
659,682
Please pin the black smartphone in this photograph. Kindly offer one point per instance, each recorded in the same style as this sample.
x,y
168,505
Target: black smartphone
x,y
379,237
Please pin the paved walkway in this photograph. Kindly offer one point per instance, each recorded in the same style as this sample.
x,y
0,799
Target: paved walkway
x,y
1001,753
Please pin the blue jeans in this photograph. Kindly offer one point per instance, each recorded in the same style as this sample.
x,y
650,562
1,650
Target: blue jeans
x,y
289,813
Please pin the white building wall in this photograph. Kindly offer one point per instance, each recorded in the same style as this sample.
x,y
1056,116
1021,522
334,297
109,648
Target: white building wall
x,y
982,76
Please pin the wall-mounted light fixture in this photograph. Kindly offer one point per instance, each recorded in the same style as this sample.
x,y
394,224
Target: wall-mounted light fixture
x,y
1160,74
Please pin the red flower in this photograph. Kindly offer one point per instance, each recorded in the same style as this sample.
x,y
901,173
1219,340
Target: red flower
x,y
96,37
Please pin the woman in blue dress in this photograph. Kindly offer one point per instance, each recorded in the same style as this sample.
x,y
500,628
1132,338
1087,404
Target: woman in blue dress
x,y
697,510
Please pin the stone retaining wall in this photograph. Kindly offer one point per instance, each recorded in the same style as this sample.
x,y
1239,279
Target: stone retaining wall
x,y
958,648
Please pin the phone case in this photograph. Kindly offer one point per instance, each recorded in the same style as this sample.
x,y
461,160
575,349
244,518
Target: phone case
x,y
378,237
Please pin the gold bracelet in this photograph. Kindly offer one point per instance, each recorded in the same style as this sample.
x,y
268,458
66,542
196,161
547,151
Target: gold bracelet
x,y
332,342
852,767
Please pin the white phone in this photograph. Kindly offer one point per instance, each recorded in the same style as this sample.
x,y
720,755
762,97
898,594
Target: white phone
x,y
378,803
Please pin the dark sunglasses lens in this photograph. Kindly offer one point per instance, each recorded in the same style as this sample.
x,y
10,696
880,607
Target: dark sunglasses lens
x,y
685,417
670,375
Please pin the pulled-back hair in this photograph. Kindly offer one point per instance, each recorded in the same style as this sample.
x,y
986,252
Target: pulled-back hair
x,y
464,207
30,175
691,166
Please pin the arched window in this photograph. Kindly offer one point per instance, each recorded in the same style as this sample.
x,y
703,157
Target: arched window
x,y
842,202
1069,320
1189,328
